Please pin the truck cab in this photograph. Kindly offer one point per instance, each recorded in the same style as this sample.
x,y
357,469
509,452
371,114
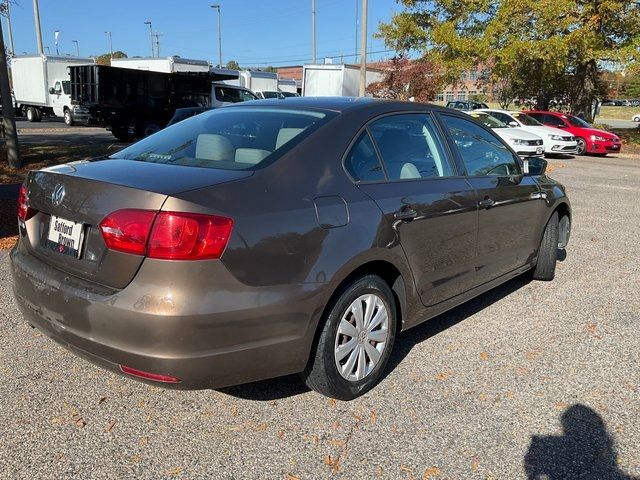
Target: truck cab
x,y
60,96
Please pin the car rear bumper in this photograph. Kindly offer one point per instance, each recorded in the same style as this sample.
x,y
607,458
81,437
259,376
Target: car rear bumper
x,y
232,337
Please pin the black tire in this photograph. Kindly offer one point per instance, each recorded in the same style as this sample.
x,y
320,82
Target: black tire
x,y
322,374
581,149
33,114
122,134
68,118
545,268
148,128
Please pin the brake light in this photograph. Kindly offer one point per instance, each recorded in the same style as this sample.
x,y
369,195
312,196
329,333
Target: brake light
x,y
156,377
167,235
24,211
189,236
127,230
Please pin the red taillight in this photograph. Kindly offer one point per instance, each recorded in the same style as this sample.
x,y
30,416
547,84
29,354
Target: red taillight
x,y
127,230
24,211
156,377
189,236
167,235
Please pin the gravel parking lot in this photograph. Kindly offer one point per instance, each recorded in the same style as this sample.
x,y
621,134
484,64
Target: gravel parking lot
x,y
532,378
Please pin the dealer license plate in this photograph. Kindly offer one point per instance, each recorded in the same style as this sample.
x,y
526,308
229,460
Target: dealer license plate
x,y
65,236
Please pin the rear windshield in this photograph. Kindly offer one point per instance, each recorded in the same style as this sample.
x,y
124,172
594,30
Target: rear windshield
x,y
237,138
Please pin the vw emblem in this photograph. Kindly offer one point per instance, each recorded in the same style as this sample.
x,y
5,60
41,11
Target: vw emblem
x,y
58,195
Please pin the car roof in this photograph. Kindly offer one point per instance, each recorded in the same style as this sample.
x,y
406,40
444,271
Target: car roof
x,y
341,104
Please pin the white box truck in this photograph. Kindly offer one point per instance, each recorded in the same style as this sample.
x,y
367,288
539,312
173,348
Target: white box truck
x,y
171,64
41,85
288,85
256,81
334,80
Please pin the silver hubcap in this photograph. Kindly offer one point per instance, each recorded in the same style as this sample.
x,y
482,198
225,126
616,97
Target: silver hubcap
x,y
362,336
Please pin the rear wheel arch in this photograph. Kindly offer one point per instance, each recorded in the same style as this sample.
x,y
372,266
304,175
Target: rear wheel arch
x,y
382,268
564,215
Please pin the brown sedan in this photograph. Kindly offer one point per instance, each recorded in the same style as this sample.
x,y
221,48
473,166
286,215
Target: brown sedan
x,y
279,237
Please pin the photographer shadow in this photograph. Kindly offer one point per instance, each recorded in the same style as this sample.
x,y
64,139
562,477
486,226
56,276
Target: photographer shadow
x,y
585,450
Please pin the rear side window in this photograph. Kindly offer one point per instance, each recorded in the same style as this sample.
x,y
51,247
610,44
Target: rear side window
x,y
482,153
554,121
232,138
362,162
410,147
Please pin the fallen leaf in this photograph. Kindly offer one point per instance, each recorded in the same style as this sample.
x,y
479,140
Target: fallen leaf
x,y
135,458
442,376
333,462
174,472
110,426
280,433
292,477
335,425
80,422
338,443
332,402
430,473
561,405
102,399
144,441
484,356
262,426
474,464
408,471
373,416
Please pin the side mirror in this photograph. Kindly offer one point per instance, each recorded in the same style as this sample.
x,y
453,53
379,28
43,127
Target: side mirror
x,y
52,91
534,166
513,124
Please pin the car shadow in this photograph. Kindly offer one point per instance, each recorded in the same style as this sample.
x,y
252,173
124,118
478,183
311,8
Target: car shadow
x,y
585,450
282,387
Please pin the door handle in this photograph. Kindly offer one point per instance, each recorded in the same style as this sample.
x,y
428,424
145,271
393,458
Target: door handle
x,y
406,214
486,203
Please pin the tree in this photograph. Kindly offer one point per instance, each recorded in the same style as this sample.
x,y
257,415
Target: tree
x,y
105,58
404,79
549,50
233,65
8,124
632,89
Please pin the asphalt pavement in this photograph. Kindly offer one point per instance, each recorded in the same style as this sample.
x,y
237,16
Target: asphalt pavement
x,y
530,379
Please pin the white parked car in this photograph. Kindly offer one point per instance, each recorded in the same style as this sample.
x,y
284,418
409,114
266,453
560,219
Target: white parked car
x,y
525,144
636,118
264,94
556,141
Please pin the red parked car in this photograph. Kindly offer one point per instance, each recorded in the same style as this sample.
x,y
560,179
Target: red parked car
x,y
590,140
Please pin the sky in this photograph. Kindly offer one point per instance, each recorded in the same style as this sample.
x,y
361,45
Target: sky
x,y
254,32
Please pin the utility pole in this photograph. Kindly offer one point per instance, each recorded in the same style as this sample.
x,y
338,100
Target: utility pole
x,y
363,49
9,31
8,117
77,47
217,7
157,42
110,45
355,50
313,31
148,22
36,16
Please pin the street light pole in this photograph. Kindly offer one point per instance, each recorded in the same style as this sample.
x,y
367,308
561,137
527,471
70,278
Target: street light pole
x,y
313,31
148,22
363,49
56,34
110,44
217,7
77,47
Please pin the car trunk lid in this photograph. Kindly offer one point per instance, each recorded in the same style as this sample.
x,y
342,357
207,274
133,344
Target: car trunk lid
x,y
73,199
